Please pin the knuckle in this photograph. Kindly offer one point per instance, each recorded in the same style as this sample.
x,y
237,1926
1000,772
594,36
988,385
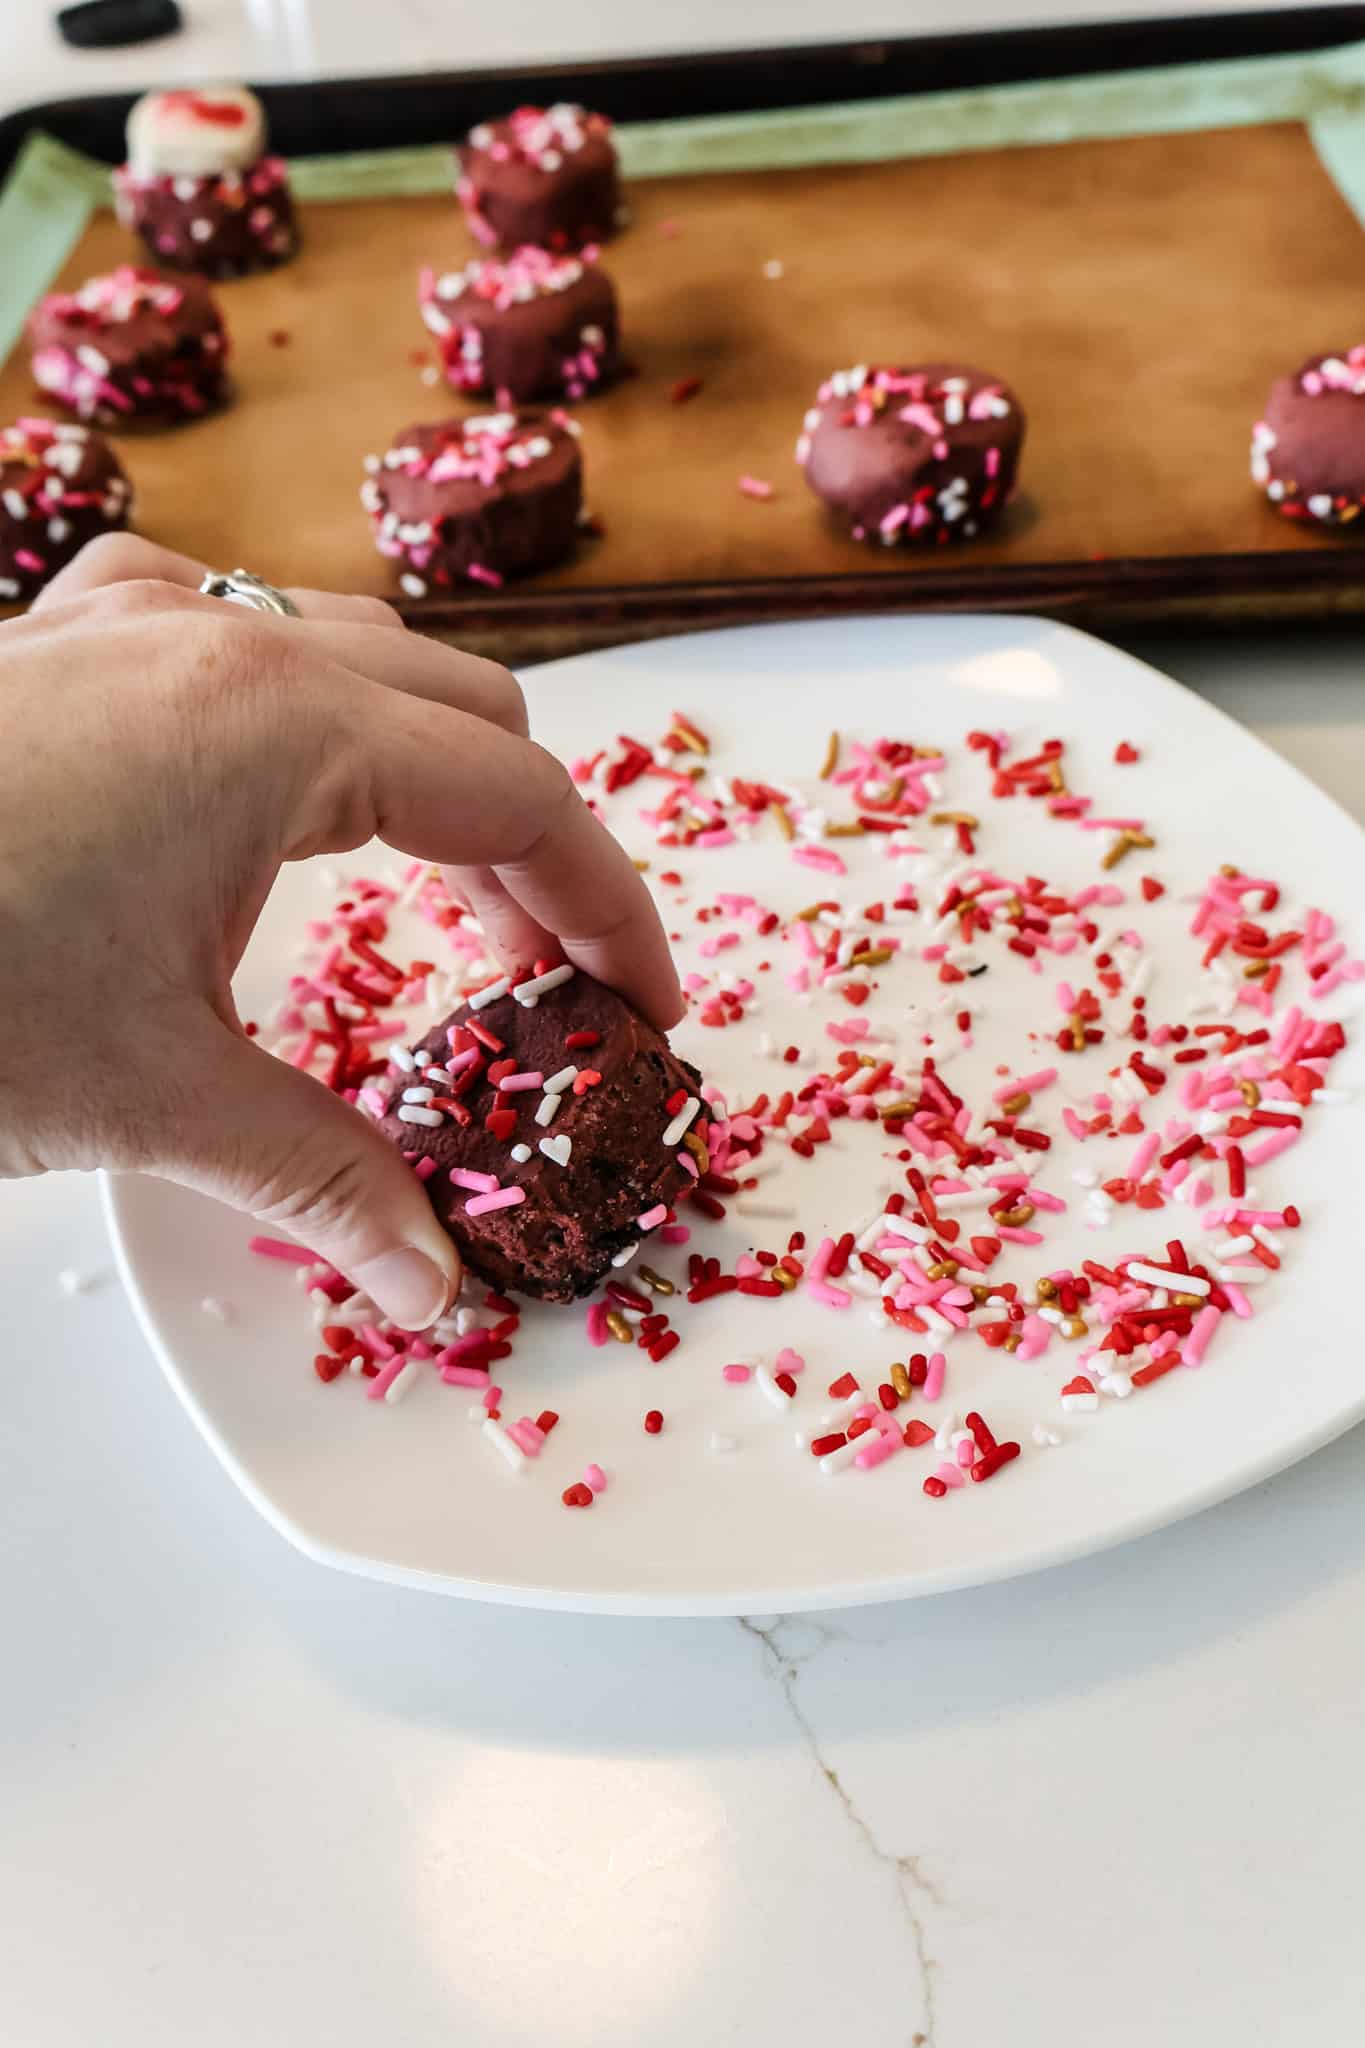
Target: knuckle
x,y
373,611
134,595
312,1194
120,557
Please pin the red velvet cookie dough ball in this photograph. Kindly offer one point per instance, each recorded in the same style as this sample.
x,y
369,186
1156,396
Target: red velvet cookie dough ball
x,y
60,486
542,175
922,454
545,1182
476,500
532,326
131,346
1308,453
199,186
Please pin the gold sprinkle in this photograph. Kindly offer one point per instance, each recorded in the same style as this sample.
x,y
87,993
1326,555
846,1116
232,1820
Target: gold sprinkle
x,y
873,957
811,914
900,1380
1250,1094
784,822
655,1281
831,760
694,743
641,867
1056,778
1015,1105
893,1109
928,753
1074,1328
1045,1289
785,1280
852,830
1124,845
1187,1300
955,818
942,1269
1254,970
1016,1218
980,1294
1012,1341
697,1147
619,1327
1230,870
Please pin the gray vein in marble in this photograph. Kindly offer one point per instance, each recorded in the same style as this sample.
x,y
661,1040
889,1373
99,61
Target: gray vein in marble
x,y
787,1644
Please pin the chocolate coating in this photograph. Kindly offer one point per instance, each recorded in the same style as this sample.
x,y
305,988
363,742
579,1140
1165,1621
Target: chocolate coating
x,y
131,346
478,499
559,1242
534,326
922,454
542,175
1308,452
60,485
225,224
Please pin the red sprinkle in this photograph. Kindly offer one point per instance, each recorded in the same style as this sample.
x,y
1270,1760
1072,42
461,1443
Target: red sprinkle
x,y
993,1460
326,1365
654,1422
685,388
577,1496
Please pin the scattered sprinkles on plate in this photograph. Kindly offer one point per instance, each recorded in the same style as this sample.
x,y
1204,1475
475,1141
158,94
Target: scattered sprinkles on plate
x,y
1171,1050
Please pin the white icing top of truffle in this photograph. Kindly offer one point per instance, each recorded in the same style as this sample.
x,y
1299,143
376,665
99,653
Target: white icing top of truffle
x,y
195,134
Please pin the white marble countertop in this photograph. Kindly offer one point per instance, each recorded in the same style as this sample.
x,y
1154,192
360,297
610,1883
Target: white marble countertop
x,y
247,1800
250,1800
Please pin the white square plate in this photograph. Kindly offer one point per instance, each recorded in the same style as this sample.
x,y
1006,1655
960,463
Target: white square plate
x,y
413,1494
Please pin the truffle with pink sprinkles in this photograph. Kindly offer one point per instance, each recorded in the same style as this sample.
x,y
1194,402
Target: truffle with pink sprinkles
x,y
533,326
60,485
927,454
131,348
542,176
476,500
1308,452
1106,1205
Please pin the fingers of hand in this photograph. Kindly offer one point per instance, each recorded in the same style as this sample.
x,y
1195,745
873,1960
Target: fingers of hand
x,y
455,790
276,1144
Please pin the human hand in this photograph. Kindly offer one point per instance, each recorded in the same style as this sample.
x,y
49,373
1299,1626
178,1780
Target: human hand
x,y
165,754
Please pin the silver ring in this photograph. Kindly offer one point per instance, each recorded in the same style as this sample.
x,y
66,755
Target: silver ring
x,y
241,587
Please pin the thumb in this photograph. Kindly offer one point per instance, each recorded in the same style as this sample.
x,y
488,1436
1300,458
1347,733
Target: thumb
x,y
285,1149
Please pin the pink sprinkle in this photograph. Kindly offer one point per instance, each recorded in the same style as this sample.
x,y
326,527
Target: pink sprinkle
x,y
275,1248
385,1377
951,1475
597,1322
526,1436
478,574
424,1167
518,1084
492,1397
877,1447
658,1214
736,1374
1197,1343
465,1375
822,857
373,1101
754,487
675,1233
1271,1147
1144,1153
504,1198
832,1297
790,1361
595,1477
934,1376
477,1183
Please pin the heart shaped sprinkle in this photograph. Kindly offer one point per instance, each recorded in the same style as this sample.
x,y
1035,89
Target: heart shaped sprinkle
x,y
557,1148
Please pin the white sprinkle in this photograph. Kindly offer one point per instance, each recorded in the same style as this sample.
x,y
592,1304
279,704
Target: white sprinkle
x,y
218,1311
418,1094
414,587
1080,1404
402,1058
400,1385
720,1444
521,1153
1046,1439
15,503
528,993
1120,1384
557,1148
484,996
501,1441
774,267
73,1280
842,1455
548,1105
769,1386
681,1123
421,1058
557,1083
411,1113
624,1258
1179,1283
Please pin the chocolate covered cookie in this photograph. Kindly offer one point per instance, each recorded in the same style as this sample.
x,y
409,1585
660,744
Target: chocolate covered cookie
x,y
1308,453
200,187
922,454
476,500
556,1118
532,326
541,175
131,346
60,485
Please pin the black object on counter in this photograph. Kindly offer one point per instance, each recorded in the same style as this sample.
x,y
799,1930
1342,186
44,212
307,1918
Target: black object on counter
x,y
109,24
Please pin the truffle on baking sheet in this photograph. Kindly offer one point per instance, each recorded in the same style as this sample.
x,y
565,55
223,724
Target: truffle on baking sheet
x,y
1308,452
476,499
531,326
542,175
928,453
555,1115
131,346
199,187
60,485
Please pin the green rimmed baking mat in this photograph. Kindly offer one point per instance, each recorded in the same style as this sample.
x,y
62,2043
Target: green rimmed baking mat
x,y
1137,254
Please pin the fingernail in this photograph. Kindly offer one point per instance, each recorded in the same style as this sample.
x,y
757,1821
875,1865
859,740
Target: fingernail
x,y
409,1287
